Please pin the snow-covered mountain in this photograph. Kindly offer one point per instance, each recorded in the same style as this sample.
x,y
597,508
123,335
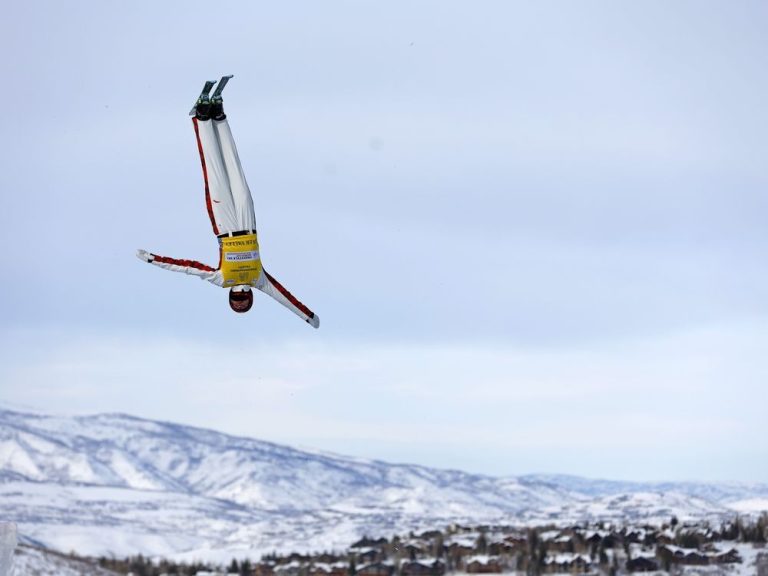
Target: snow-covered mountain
x,y
116,484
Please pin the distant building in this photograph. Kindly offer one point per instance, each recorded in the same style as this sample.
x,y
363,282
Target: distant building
x,y
264,569
366,542
318,569
292,568
339,569
725,557
566,562
561,543
483,565
665,537
327,558
686,556
366,555
376,569
642,564
422,568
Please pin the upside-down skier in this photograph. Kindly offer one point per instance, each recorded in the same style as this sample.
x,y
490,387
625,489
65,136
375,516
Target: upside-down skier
x,y
230,208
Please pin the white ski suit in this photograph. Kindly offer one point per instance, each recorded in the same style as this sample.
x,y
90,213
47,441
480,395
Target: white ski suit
x,y
230,208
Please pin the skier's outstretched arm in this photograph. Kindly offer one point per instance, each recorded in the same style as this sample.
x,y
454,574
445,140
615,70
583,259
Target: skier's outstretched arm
x,y
177,265
278,292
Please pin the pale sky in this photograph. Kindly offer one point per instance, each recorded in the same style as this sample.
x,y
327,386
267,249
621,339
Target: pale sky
x,y
534,232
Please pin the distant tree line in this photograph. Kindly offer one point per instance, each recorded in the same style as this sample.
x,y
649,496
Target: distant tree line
x,y
140,565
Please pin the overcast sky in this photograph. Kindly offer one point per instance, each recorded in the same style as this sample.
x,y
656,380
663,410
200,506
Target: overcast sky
x,y
534,232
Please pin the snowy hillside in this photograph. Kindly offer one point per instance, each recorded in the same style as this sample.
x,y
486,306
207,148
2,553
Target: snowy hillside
x,y
118,484
31,561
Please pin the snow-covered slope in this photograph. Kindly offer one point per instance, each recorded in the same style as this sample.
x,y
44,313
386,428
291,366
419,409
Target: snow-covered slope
x,y
118,484
31,561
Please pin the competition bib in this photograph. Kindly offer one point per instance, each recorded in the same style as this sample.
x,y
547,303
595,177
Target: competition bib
x,y
240,263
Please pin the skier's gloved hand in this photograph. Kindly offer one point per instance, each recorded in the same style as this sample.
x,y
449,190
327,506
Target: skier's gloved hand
x,y
144,255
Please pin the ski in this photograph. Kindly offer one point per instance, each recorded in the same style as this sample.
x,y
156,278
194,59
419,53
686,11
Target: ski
x,y
216,96
203,95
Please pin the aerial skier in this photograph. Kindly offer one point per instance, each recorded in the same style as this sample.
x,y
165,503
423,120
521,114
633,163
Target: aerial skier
x,y
230,208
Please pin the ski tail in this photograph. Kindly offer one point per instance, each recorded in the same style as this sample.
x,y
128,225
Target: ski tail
x,y
216,96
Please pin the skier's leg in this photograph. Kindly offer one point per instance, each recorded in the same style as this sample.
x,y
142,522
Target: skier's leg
x,y
241,194
218,195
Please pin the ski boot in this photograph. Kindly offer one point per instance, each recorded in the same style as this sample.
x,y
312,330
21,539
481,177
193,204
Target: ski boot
x,y
217,103
217,109
202,108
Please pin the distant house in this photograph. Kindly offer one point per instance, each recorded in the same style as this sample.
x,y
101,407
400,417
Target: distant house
x,y
642,564
376,569
516,539
296,557
339,568
512,545
264,569
566,562
292,568
726,557
319,569
677,555
366,542
413,549
316,568
611,540
499,547
422,568
665,537
327,558
462,546
483,565
548,535
366,555
593,538
457,552
562,543
636,536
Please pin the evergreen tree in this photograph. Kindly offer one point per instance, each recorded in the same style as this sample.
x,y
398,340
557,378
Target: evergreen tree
x,y
762,528
481,544
437,546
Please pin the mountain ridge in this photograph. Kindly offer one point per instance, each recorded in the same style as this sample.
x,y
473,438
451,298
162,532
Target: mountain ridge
x,y
117,483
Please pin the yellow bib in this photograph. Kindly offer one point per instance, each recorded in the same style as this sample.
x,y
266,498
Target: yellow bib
x,y
240,262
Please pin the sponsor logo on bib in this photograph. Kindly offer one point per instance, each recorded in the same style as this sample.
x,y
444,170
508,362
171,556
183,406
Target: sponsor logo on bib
x,y
241,256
